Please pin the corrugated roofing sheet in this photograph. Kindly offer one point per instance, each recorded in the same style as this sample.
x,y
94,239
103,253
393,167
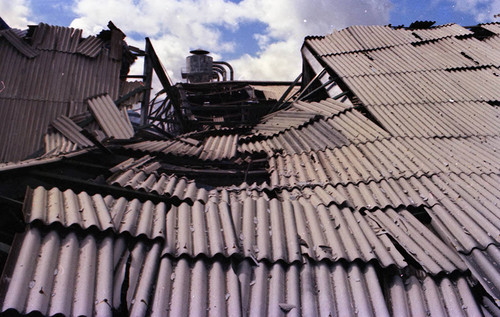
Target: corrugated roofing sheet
x,y
175,188
359,38
386,159
447,119
281,121
447,53
253,226
56,143
53,83
426,86
492,27
71,131
328,107
346,128
23,48
111,120
215,148
90,46
73,275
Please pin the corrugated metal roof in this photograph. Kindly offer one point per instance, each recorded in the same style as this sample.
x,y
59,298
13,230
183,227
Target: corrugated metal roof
x,y
71,131
23,48
386,159
337,131
53,83
111,120
456,119
215,148
426,86
73,275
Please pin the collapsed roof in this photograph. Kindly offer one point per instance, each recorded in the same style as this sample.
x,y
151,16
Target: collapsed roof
x,y
371,190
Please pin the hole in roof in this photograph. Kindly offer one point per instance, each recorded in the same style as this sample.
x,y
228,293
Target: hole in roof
x,y
481,33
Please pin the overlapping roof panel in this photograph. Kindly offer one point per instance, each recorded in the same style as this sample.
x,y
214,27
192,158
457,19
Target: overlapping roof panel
x,y
426,86
54,81
337,131
73,275
214,148
387,159
448,119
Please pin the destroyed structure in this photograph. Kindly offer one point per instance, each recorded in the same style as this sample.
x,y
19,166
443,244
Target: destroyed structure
x,y
370,186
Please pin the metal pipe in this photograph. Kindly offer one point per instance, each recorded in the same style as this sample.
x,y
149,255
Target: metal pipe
x,y
231,71
220,70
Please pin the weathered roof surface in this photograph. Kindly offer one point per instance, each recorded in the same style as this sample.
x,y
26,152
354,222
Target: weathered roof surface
x,y
212,148
447,119
56,79
337,131
73,275
115,124
385,205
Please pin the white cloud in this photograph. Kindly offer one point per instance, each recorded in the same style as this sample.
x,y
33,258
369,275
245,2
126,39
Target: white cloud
x,y
482,10
16,13
176,27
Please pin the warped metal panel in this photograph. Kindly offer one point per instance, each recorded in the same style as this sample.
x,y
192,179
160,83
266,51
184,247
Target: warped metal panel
x,y
16,41
90,46
111,120
71,130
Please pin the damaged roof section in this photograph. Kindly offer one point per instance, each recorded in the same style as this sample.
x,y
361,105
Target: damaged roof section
x,y
61,69
369,188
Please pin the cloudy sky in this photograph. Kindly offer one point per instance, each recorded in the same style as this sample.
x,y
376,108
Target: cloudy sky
x,y
260,38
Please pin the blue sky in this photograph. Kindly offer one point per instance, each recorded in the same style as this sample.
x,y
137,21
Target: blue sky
x,y
261,38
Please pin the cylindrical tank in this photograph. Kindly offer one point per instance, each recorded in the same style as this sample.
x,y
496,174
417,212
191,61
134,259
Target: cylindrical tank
x,y
199,66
